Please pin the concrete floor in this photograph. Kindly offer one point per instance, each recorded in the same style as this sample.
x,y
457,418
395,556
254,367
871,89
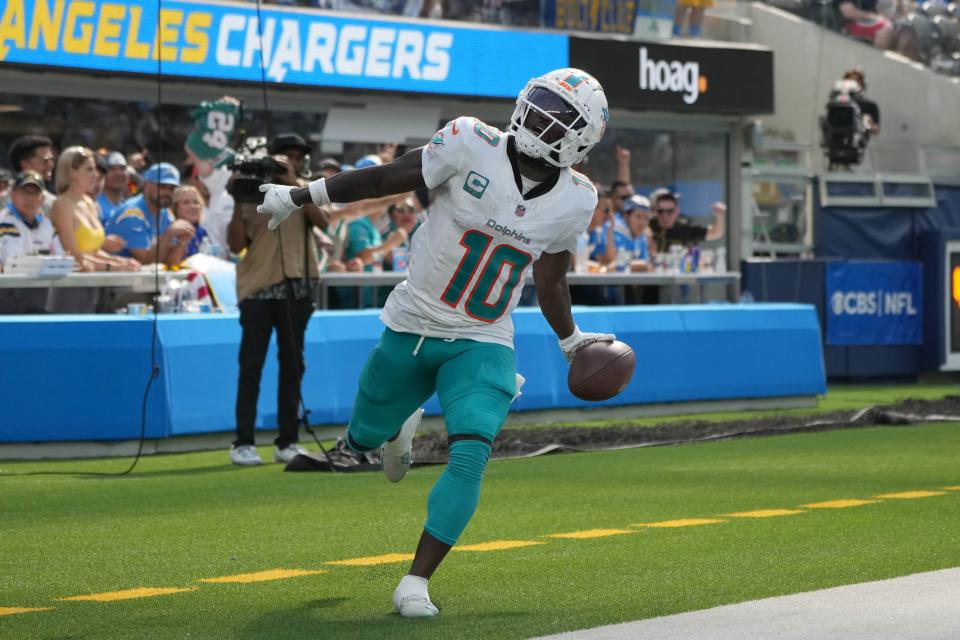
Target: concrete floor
x,y
924,606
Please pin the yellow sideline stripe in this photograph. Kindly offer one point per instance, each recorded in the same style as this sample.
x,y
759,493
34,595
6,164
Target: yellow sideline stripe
x,y
263,576
589,533
685,522
498,545
9,611
839,504
909,495
764,513
128,594
495,545
386,558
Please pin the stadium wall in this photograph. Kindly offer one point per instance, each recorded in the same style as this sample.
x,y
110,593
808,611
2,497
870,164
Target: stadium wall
x,y
82,378
808,59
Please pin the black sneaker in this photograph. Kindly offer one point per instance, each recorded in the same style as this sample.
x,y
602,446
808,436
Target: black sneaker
x,y
340,458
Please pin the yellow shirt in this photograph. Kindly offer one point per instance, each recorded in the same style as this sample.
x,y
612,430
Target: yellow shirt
x,y
88,240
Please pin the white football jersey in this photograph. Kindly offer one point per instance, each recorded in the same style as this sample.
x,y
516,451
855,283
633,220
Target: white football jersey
x,y
468,261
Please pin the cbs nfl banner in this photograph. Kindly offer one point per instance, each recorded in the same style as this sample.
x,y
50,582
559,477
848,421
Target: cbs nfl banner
x,y
874,303
296,47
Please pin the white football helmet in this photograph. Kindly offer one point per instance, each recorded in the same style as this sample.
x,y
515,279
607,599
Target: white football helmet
x,y
560,116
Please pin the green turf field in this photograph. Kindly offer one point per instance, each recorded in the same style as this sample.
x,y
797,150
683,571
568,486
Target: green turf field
x,y
183,518
838,398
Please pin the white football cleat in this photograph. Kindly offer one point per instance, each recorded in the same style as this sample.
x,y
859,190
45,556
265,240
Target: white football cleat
x,y
397,455
411,599
288,453
245,456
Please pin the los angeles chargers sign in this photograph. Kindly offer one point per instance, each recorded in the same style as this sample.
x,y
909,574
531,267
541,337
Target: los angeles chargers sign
x,y
228,41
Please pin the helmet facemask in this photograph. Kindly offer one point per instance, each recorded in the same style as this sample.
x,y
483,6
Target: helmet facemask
x,y
549,128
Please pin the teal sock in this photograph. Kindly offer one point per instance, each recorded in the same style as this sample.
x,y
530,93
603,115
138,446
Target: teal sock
x,y
456,494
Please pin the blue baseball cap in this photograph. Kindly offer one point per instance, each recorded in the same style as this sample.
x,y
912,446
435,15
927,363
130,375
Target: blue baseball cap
x,y
162,173
636,202
367,161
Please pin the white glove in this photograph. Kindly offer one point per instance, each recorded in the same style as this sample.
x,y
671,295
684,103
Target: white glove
x,y
577,340
277,204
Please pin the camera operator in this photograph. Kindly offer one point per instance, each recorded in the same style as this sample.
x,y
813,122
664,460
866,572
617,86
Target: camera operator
x,y
848,123
868,108
276,282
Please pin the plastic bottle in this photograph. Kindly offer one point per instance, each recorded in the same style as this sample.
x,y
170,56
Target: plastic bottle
x,y
401,259
720,264
583,253
624,257
377,265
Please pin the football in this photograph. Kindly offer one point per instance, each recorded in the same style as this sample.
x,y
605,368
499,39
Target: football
x,y
601,370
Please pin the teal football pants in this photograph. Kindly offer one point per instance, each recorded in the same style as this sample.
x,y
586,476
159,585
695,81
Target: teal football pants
x,y
475,383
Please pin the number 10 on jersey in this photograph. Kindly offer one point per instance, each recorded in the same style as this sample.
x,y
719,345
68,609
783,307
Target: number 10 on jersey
x,y
476,243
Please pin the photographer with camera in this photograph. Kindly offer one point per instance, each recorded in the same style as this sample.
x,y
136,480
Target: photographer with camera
x,y
276,284
868,108
850,119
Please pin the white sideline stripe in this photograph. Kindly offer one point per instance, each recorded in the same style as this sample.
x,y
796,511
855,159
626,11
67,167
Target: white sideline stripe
x,y
924,606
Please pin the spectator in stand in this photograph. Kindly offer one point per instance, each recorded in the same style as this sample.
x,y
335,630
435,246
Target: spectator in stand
x,y
366,248
145,222
619,191
97,189
597,227
862,21
333,238
604,249
138,160
622,156
695,8
627,245
668,228
6,179
24,230
211,182
402,215
35,153
188,205
75,216
326,168
385,153
364,242
112,243
116,187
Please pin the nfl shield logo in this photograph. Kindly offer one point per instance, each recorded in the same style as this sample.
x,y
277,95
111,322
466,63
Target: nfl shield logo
x,y
521,210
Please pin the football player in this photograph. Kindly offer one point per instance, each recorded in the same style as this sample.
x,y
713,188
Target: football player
x,y
502,203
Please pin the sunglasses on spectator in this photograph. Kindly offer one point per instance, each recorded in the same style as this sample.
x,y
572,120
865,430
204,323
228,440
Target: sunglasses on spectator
x,y
404,210
666,210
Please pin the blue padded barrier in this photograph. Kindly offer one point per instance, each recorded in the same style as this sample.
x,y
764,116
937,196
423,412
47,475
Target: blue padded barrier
x,y
82,377
78,378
